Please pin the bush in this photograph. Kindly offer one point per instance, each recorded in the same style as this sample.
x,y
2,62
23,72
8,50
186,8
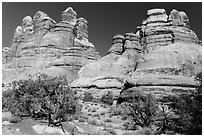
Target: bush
x,y
187,118
93,110
96,115
92,122
103,113
87,97
107,99
129,126
41,97
115,111
111,131
145,131
84,117
15,120
75,117
81,120
143,110
107,120
187,113
124,118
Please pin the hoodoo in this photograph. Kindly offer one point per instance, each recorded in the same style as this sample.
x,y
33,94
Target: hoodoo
x,y
41,45
162,57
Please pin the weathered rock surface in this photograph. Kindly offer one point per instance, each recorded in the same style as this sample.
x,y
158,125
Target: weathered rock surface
x,y
106,74
44,129
162,57
41,45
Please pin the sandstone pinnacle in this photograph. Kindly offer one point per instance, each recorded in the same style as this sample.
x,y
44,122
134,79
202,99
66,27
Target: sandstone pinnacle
x,y
27,25
55,49
69,16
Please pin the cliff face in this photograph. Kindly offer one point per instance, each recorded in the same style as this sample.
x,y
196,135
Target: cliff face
x,y
162,57
40,45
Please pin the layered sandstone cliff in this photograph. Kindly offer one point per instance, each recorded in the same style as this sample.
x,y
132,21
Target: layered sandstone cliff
x,y
41,45
162,57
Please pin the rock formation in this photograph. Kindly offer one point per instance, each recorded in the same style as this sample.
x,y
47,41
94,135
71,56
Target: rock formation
x,y
162,57
40,45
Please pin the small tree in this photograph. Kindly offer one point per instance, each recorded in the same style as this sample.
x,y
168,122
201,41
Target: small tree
x,y
183,116
143,110
187,112
41,97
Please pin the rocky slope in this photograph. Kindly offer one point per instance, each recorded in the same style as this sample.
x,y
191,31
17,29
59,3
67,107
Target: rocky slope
x,y
40,45
162,57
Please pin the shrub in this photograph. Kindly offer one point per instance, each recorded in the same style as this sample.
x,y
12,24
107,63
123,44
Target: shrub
x,y
103,113
145,131
115,111
92,122
94,110
124,118
41,97
187,115
107,99
84,117
187,110
143,110
15,120
81,120
129,133
69,118
96,115
75,117
87,97
129,126
107,120
111,131
109,126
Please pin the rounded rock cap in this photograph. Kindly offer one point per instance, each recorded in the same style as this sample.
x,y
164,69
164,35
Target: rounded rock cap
x,y
155,11
118,36
41,16
184,17
6,49
81,19
28,19
131,34
69,10
19,30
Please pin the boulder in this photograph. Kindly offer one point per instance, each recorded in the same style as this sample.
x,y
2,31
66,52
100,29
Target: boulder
x,y
45,130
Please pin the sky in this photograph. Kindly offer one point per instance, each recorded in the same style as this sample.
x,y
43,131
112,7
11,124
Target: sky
x,y
104,19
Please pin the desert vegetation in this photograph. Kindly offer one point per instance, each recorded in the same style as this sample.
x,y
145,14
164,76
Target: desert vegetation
x,y
42,97
50,99
166,115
